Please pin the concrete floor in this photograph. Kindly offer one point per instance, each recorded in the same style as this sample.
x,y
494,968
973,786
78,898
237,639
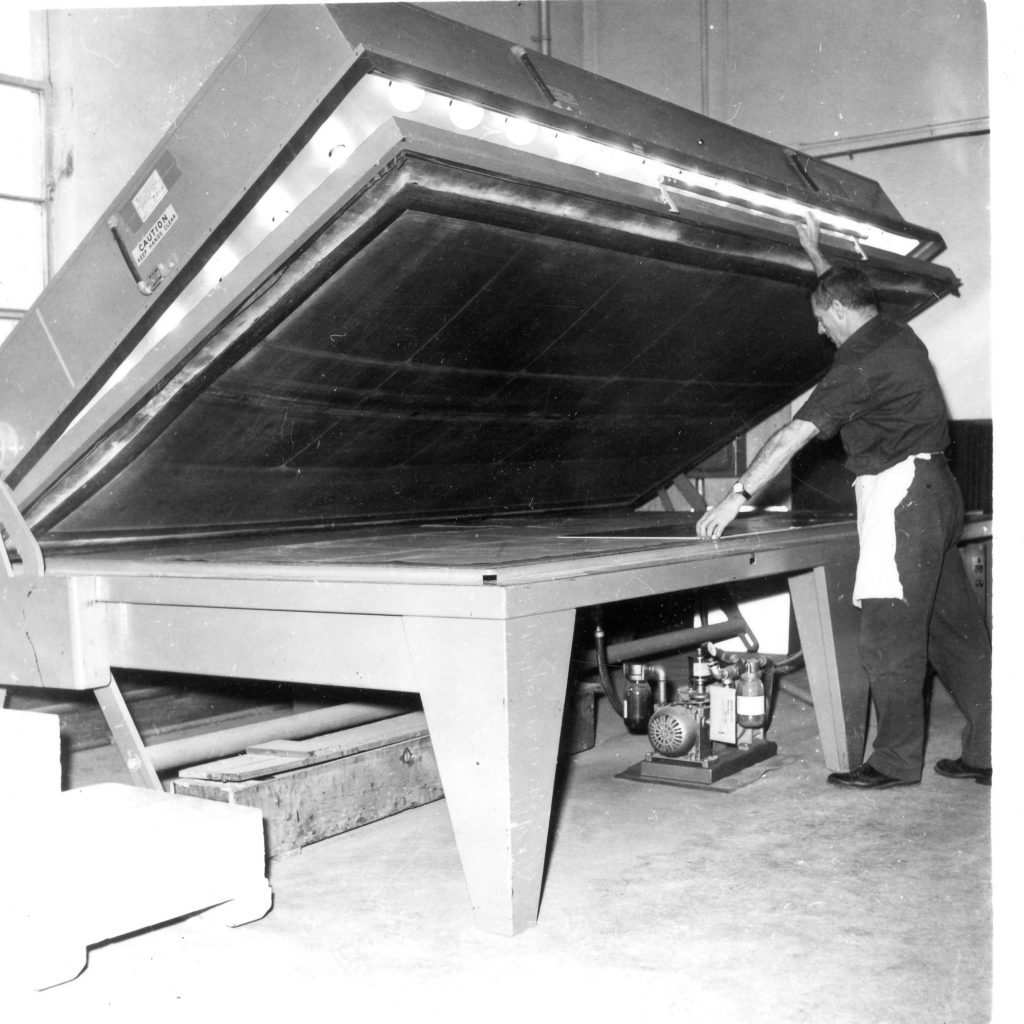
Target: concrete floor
x,y
786,901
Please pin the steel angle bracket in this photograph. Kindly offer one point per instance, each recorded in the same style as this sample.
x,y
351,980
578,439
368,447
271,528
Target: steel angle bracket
x,y
21,537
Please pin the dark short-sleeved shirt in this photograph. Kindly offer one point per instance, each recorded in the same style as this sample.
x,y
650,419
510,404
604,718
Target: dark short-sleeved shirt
x,y
882,396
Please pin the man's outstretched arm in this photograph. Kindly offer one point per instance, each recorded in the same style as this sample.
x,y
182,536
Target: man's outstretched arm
x,y
773,457
809,234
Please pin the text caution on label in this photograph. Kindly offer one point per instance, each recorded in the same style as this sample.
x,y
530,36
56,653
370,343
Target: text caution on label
x,y
152,238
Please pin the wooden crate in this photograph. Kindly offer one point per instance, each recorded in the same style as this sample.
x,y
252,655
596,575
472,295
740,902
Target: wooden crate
x,y
311,789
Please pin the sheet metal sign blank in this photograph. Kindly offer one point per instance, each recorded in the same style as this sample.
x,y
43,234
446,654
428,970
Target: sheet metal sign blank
x,y
144,203
149,196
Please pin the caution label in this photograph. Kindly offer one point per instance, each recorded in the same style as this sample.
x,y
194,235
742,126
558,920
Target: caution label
x,y
153,236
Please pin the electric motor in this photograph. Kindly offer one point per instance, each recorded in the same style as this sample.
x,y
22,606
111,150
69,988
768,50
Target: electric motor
x,y
673,730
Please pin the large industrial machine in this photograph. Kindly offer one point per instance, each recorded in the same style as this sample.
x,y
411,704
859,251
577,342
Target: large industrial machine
x,y
360,379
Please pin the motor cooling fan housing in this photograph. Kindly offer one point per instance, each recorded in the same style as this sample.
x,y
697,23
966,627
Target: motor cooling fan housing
x,y
672,730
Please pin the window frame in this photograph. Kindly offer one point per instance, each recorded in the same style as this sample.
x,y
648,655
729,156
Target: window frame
x,y
10,315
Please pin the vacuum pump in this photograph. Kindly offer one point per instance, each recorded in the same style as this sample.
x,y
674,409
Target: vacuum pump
x,y
707,728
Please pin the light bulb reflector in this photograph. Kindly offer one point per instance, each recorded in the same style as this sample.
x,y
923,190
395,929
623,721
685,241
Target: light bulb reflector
x,y
332,142
618,161
406,97
520,131
465,115
569,147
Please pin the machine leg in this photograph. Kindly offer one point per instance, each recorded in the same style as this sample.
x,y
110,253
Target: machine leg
x,y
828,625
126,736
493,694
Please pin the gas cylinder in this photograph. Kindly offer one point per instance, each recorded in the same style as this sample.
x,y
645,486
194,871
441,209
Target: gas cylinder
x,y
750,702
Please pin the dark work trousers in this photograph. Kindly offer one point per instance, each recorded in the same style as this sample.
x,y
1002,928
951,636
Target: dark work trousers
x,y
939,621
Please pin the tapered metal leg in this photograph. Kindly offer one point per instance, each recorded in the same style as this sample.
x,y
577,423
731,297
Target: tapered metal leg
x,y
829,627
493,694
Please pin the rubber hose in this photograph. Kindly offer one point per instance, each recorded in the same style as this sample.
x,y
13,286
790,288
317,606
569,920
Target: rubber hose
x,y
607,683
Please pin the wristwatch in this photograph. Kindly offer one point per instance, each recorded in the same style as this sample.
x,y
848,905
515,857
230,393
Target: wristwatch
x,y
738,488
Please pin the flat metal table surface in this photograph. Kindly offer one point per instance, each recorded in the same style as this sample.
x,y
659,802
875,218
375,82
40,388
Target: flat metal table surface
x,y
497,550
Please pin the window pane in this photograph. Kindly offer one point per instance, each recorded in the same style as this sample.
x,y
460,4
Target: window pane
x,y
21,156
15,44
6,326
21,254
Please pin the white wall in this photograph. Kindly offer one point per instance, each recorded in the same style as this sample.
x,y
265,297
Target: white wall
x,y
651,45
945,185
807,73
520,23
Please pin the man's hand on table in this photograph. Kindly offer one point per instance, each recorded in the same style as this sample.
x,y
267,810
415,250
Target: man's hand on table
x,y
717,518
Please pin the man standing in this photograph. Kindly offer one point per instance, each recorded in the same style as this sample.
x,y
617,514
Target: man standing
x,y
883,398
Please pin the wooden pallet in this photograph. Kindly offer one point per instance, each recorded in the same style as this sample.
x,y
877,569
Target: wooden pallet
x,y
311,789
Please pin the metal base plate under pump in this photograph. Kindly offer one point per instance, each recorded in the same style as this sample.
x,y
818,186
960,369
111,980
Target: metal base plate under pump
x,y
674,771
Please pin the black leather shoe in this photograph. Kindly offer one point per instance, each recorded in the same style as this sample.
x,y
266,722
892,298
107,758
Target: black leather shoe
x,y
866,777
959,769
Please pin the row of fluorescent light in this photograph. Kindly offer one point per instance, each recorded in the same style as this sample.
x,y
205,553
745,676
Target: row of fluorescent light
x,y
371,103
601,158
375,99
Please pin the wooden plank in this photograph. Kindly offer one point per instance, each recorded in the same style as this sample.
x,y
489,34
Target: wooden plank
x,y
272,756
322,800
348,741
241,767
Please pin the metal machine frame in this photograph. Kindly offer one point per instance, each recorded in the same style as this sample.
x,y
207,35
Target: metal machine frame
x,y
486,646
